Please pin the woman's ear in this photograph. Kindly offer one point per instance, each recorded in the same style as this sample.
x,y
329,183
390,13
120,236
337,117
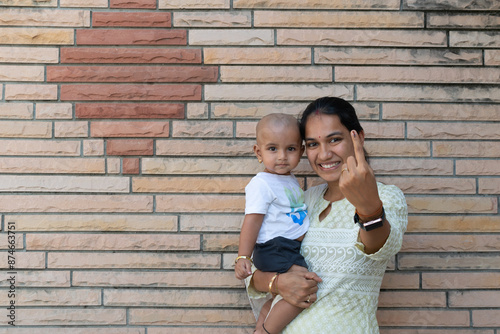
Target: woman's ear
x,y
362,137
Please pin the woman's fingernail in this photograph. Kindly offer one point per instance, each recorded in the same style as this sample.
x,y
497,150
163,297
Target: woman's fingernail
x,y
354,133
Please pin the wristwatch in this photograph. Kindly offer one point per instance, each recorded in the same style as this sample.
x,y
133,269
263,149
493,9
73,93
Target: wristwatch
x,y
372,224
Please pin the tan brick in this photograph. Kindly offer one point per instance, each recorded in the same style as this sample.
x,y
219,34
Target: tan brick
x,y
16,110
75,203
30,3
489,186
210,223
338,19
204,203
27,260
268,56
462,21
157,279
129,129
348,37
7,241
139,4
55,297
411,299
424,318
245,129
136,260
113,165
204,129
30,92
416,74
84,3
450,204
454,224
463,280
197,111
451,5
492,57
473,298
21,73
36,36
393,280
393,130
92,241
434,185
286,92
399,56
316,4
447,112
71,129
258,110
220,242
63,183
40,147
129,147
275,74
44,17
25,129
478,167
196,317
216,147
474,39
450,243
469,149
398,148
206,330
406,93
434,331
256,37
175,298
10,54
412,166
213,19
189,184
448,262
76,330
93,147
71,316
54,110
193,4
107,223
52,165
486,318
38,278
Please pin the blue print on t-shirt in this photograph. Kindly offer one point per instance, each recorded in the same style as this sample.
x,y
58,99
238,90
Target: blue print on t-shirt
x,y
298,214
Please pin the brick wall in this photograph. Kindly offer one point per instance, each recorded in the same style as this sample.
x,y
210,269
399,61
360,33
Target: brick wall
x,y
126,131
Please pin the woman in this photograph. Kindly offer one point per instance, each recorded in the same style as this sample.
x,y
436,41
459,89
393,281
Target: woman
x,y
357,225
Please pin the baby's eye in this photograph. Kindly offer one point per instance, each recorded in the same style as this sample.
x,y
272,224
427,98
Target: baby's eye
x,y
272,149
291,149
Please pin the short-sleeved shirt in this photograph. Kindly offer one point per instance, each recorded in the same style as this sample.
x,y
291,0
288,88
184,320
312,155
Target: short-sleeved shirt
x,y
281,200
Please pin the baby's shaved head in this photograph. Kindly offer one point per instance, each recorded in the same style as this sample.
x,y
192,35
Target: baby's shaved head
x,y
276,122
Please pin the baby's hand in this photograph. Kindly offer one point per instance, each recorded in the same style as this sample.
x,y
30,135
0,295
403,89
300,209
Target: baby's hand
x,y
243,269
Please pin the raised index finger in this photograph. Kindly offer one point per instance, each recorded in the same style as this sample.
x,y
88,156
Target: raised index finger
x,y
359,153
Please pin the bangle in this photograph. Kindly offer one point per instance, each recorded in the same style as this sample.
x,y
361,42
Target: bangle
x,y
271,284
243,257
374,215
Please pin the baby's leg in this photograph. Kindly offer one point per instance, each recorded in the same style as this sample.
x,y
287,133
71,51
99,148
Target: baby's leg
x,y
263,313
282,313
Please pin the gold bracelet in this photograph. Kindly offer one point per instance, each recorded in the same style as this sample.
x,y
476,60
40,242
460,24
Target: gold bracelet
x,y
243,257
271,284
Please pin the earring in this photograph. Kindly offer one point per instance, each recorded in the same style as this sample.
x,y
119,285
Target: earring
x,y
260,161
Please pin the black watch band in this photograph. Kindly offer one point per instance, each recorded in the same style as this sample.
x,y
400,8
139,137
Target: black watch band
x,y
372,224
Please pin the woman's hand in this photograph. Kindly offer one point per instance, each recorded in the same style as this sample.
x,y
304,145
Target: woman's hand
x,y
299,288
357,179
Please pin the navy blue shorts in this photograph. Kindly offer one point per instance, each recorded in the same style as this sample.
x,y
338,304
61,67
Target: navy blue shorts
x,y
278,255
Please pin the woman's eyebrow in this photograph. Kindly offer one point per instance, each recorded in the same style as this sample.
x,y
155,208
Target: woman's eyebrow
x,y
335,133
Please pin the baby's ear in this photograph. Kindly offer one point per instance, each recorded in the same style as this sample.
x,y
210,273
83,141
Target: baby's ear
x,y
256,150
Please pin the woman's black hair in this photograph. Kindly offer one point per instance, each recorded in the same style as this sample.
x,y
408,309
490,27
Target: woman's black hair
x,y
332,106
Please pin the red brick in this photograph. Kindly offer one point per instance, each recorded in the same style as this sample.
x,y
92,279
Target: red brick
x,y
132,74
122,19
131,166
129,147
130,56
136,92
129,110
129,129
138,4
131,37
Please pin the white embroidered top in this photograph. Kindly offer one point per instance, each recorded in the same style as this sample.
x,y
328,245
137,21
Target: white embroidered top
x,y
348,296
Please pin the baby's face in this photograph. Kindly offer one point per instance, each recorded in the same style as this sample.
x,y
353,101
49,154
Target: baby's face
x,y
280,148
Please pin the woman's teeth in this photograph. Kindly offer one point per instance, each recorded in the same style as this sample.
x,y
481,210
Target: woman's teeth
x,y
326,166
